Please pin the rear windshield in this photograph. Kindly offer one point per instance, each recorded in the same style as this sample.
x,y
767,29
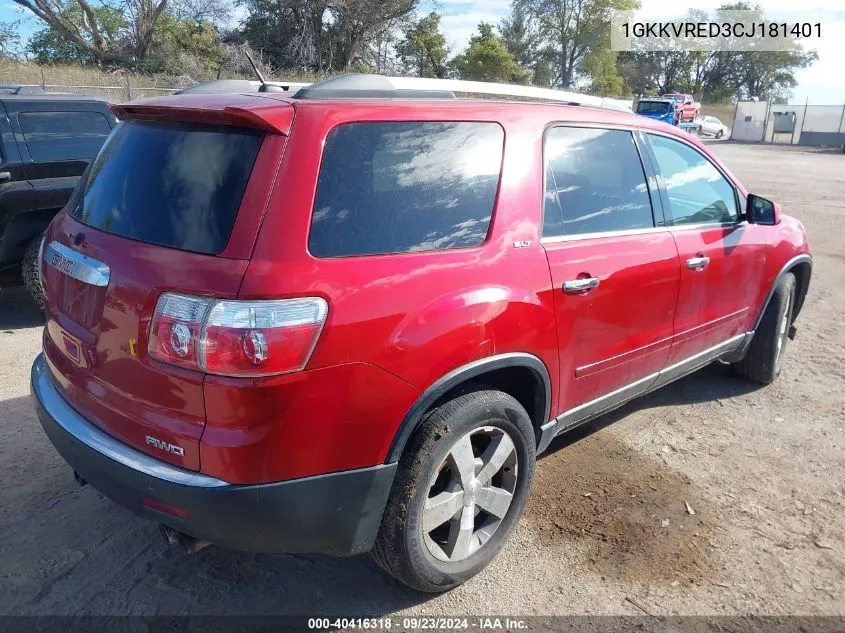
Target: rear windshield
x,y
653,107
176,185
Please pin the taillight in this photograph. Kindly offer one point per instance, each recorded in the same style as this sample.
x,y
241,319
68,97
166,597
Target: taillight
x,y
236,338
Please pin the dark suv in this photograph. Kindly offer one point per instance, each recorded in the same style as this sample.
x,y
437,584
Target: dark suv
x,y
350,320
46,142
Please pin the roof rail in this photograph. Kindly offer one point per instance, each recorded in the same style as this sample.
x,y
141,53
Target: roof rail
x,y
358,86
370,86
239,85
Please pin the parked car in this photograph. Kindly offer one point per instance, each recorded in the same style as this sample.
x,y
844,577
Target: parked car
x,y
658,108
46,142
686,106
350,320
711,126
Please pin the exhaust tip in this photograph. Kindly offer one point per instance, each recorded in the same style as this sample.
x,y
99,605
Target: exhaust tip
x,y
189,544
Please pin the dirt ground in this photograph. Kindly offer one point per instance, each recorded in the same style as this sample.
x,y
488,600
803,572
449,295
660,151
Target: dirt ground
x,y
607,527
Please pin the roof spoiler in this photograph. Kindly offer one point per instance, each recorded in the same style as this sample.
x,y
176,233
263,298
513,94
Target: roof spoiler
x,y
274,118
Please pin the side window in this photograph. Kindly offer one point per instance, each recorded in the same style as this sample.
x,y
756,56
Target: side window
x,y
405,187
594,183
697,191
63,135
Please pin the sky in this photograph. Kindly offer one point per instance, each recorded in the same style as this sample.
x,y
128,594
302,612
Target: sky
x,y
823,83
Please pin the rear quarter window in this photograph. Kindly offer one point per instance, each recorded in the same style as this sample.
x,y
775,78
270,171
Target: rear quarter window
x,y
54,136
405,187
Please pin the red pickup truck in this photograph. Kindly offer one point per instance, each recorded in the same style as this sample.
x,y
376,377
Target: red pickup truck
x,y
686,107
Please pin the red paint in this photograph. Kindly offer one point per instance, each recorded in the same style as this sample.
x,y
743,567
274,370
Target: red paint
x,y
620,331
396,323
713,304
686,109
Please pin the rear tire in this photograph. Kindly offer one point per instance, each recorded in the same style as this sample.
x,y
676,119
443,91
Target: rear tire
x,y
443,523
30,273
764,359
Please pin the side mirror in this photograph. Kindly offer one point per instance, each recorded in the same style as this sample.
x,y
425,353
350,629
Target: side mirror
x,y
761,211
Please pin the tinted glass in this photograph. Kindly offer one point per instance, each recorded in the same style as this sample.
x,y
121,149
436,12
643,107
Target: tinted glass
x,y
176,185
594,182
697,191
653,107
63,135
405,187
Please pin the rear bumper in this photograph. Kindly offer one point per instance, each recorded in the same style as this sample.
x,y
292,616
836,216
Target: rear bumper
x,y
337,513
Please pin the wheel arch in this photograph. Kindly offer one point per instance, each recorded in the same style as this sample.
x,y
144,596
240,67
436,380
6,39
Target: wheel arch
x,y
802,267
521,375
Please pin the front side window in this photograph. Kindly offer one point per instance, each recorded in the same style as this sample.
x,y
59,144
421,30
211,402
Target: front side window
x,y
594,183
698,192
397,187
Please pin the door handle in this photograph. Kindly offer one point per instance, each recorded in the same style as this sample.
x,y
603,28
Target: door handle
x,y
698,263
577,286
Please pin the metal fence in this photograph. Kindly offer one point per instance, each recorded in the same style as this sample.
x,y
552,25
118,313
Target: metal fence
x,y
126,92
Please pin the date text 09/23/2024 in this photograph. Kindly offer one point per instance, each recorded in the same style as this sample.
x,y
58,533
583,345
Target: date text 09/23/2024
x,y
420,623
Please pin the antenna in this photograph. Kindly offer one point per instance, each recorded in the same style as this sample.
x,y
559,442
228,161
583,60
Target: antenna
x,y
264,87
255,68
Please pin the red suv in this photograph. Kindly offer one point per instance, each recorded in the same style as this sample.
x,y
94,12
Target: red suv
x,y
350,320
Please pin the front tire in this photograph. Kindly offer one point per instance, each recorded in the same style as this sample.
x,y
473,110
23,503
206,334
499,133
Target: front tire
x,y
764,359
460,489
720,134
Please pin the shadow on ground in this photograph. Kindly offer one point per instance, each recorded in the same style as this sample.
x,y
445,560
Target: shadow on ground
x,y
715,382
17,310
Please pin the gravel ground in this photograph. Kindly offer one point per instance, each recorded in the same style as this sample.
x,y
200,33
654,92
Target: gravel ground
x,y
763,469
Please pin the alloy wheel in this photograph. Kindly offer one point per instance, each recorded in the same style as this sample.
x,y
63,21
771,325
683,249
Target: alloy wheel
x,y
470,494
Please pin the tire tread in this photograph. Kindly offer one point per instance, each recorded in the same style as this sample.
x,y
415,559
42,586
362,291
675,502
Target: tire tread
x,y
389,551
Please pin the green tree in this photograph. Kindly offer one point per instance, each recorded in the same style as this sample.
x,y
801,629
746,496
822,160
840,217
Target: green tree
x,y
185,47
47,46
423,49
88,27
322,35
487,59
520,37
10,39
599,64
50,45
544,74
572,29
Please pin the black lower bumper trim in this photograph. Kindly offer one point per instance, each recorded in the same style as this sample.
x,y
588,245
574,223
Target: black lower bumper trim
x,y
337,513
